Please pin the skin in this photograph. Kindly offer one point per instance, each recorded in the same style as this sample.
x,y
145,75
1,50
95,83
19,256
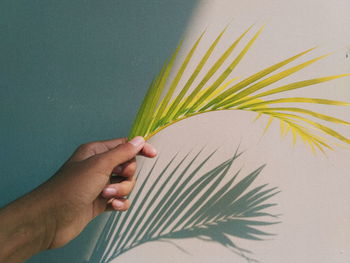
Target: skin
x,y
57,211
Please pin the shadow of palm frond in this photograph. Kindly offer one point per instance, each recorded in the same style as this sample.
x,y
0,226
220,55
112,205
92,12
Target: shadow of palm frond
x,y
181,202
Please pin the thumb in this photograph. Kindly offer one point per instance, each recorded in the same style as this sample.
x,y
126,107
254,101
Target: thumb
x,y
122,153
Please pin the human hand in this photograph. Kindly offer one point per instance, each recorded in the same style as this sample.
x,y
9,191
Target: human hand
x,y
79,191
76,188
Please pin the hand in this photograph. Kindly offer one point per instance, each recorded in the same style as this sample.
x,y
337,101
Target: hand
x,y
62,207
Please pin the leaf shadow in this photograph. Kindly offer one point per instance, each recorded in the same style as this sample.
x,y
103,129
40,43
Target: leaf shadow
x,y
185,202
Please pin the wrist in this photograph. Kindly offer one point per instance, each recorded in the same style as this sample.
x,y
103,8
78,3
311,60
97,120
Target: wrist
x,y
42,202
27,227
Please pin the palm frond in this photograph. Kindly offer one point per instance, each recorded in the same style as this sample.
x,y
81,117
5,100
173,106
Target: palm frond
x,y
185,202
163,107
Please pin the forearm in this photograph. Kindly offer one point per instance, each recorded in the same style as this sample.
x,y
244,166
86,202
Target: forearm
x,y
25,227
57,211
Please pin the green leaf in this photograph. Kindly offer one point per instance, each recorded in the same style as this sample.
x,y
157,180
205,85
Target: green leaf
x,y
294,100
308,112
175,82
234,100
221,99
173,108
210,73
288,87
160,110
227,72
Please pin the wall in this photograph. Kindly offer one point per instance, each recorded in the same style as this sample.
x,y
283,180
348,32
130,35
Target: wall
x,y
73,72
312,207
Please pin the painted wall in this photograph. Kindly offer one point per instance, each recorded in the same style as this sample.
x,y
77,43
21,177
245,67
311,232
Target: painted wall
x,y
69,77
313,205
72,72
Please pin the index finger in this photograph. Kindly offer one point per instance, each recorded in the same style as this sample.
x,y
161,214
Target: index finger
x,y
87,150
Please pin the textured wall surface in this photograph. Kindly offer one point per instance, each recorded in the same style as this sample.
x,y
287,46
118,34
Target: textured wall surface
x,y
313,202
76,71
72,72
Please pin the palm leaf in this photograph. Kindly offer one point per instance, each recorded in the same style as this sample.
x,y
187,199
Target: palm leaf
x,y
307,112
221,212
253,104
176,80
259,75
173,108
288,87
212,71
162,107
231,101
147,109
227,71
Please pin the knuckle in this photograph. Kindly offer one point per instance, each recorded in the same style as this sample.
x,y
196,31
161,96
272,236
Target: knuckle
x,y
130,169
101,161
123,190
129,150
125,152
86,146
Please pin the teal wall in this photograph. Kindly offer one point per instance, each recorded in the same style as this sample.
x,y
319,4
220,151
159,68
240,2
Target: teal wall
x,y
73,72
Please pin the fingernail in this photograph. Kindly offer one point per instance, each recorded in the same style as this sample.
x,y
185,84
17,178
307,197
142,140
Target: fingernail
x,y
118,204
108,192
137,141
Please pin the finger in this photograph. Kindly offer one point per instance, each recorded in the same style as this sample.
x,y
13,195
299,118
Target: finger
x,y
121,189
148,150
118,204
122,153
87,150
128,168
111,144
